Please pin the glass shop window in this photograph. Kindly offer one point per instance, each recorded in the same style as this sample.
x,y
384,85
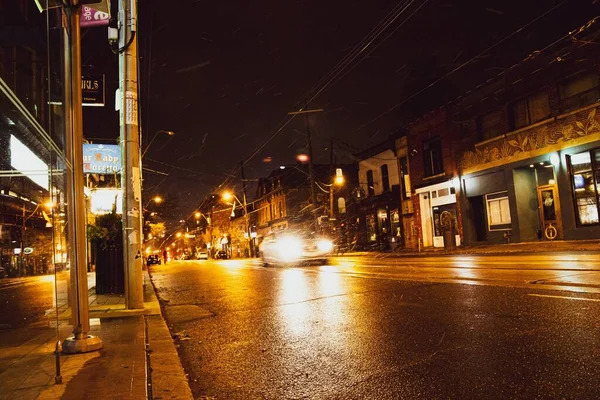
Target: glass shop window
x,y
498,211
585,179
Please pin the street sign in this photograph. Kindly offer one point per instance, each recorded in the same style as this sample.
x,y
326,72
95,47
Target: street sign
x,y
28,250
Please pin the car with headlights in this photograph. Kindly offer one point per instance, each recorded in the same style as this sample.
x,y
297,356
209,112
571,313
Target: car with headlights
x,y
153,259
202,255
289,248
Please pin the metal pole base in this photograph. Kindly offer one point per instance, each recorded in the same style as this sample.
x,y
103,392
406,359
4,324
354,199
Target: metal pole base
x,y
84,345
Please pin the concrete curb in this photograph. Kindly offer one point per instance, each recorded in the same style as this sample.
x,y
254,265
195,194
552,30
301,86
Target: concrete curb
x,y
165,375
167,379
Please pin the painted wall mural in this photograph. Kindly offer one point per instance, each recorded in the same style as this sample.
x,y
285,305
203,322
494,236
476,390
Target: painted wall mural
x,y
575,129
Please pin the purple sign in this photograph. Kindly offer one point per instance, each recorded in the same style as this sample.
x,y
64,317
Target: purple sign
x,y
90,17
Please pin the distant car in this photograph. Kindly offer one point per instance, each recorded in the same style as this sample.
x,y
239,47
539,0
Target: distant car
x,y
295,247
203,255
153,259
221,255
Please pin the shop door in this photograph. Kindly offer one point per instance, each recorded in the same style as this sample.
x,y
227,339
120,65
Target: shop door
x,y
426,219
549,206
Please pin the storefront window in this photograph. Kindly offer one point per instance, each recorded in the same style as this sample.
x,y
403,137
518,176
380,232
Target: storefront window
x,y
585,178
498,211
34,264
395,217
371,228
437,218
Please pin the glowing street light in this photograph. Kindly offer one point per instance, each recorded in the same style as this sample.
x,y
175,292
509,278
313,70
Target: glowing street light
x,y
227,196
156,199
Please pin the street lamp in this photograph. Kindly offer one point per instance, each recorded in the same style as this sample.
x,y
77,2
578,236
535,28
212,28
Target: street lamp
x,y
156,199
169,133
338,180
227,196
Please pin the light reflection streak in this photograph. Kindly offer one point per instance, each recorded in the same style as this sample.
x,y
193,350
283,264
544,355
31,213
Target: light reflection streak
x,y
294,310
329,281
233,267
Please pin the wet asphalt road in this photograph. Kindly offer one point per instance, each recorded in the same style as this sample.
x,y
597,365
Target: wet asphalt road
x,y
246,332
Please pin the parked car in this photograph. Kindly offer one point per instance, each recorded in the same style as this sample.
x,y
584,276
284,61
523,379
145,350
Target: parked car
x,y
203,255
221,255
153,259
2,273
295,247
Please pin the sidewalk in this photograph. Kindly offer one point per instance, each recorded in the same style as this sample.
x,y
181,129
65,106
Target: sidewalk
x,y
542,246
138,359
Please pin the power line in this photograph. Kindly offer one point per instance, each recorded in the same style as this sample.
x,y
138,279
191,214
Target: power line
x,y
327,80
361,46
461,66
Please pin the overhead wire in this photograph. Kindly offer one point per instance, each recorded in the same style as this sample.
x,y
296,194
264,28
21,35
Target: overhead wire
x,y
436,81
361,46
327,80
536,53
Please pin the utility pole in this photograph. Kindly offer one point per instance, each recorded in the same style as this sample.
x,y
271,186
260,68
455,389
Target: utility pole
x,y
130,149
313,196
332,179
81,341
248,227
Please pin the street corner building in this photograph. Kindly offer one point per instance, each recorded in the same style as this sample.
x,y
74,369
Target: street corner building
x,y
510,159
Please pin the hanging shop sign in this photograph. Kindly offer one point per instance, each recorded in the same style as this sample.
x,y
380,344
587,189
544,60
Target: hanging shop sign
x,y
92,90
90,17
101,159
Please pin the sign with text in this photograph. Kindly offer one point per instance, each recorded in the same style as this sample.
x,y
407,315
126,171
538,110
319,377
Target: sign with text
x,y
101,159
92,89
91,17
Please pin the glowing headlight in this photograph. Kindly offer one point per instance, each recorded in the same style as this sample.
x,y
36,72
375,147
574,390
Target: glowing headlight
x,y
324,245
289,248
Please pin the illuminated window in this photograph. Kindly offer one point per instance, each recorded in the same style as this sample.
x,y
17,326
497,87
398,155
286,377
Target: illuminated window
x,y
498,211
341,205
585,179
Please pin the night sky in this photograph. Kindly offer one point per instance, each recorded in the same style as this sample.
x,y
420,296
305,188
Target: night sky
x,y
224,74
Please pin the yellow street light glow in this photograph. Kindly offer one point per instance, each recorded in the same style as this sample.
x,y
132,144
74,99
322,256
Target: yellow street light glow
x,y
339,180
49,204
227,196
157,199
178,234
197,214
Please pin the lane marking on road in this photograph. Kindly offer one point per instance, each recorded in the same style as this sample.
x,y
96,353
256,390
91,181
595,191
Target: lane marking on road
x,y
563,297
